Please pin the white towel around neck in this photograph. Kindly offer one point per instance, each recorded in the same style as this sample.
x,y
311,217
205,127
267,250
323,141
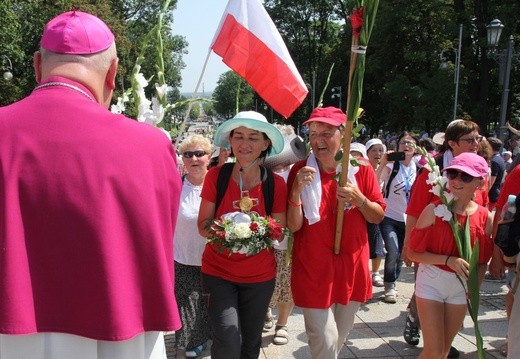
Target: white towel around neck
x,y
311,194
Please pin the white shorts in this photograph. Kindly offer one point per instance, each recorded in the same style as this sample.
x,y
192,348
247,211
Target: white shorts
x,y
439,285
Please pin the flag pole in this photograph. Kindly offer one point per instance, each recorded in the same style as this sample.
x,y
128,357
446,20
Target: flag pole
x,y
193,95
347,138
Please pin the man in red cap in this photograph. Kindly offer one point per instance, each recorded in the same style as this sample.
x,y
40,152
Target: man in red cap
x,y
88,206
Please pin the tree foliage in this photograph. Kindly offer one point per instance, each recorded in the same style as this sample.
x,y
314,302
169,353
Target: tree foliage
x,y
230,87
130,20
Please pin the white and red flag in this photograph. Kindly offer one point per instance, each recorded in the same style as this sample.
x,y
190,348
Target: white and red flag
x,y
249,43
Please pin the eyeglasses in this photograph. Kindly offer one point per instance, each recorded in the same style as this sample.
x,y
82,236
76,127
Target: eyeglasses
x,y
452,174
407,143
472,140
190,154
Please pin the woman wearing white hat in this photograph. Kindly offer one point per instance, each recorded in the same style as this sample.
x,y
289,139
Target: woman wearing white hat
x,y
238,287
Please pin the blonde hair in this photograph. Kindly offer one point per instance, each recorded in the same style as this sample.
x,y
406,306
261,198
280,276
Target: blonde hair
x,y
196,140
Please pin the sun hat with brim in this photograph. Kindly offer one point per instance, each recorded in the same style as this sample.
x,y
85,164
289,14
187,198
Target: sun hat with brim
x,y
438,138
77,33
329,115
254,121
359,147
470,163
375,141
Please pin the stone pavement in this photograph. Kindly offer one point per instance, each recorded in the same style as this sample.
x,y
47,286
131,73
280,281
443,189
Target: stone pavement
x,y
378,330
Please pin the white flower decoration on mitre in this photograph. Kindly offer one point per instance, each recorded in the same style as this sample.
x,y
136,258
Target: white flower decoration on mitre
x,y
443,212
241,217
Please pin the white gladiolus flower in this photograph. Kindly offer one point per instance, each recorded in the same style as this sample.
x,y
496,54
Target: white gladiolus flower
x,y
161,90
449,197
432,178
158,111
141,81
436,190
443,212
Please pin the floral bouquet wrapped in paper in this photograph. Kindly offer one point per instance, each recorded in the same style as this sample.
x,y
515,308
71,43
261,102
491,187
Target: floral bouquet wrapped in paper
x,y
245,233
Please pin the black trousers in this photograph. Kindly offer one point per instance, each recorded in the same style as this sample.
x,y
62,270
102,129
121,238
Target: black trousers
x,y
237,314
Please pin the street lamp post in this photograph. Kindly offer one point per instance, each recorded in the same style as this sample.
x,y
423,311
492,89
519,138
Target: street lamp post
x,y
456,75
337,92
8,74
505,58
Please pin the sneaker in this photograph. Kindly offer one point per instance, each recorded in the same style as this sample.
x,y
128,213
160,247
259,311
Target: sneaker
x,y
377,281
195,352
411,331
391,296
281,335
453,353
269,321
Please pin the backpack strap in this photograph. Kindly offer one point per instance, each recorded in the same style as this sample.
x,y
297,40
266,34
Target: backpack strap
x,y
267,188
222,182
267,177
395,170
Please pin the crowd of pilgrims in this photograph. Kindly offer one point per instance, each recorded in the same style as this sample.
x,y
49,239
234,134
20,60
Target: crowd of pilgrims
x,y
389,212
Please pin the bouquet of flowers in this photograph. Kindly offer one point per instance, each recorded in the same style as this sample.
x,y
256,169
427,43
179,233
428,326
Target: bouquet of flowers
x,y
462,239
245,233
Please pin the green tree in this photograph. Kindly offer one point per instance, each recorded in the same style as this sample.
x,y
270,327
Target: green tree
x,y
230,87
130,20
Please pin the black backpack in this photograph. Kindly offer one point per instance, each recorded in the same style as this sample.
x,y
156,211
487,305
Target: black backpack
x,y
508,233
267,185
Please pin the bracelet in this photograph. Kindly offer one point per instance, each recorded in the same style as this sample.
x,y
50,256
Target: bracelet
x,y
363,204
294,204
446,261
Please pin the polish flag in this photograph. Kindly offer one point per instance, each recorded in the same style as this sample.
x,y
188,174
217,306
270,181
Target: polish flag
x,y
249,43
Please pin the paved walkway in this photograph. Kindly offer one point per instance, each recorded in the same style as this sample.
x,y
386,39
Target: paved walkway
x,y
378,330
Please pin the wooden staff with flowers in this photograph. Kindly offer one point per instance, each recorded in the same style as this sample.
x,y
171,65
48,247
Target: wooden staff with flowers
x,y
362,21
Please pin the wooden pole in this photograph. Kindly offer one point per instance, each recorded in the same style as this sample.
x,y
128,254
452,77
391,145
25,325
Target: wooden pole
x,y
347,136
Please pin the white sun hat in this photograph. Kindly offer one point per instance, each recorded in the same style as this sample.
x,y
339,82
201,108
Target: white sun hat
x,y
254,121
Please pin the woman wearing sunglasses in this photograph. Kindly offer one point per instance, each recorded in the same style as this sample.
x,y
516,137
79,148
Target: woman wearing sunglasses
x,y
195,151
461,136
439,289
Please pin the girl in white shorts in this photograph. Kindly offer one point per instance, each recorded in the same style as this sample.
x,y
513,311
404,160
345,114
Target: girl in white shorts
x,y
441,282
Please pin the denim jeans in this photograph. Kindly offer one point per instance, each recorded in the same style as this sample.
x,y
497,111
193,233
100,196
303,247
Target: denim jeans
x,y
393,236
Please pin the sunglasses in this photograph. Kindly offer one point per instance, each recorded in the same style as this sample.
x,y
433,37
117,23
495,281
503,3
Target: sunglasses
x,y
190,154
452,174
472,140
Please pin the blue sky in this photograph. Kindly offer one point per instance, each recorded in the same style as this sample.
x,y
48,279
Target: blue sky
x,y
197,20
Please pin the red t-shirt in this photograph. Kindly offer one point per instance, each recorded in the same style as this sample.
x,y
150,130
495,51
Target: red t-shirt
x,y
241,268
510,186
438,238
321,278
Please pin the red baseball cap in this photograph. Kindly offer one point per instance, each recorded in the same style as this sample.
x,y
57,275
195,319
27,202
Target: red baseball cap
x,y
329,115
76,32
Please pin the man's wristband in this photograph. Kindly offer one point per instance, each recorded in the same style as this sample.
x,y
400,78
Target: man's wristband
x,y
446,261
